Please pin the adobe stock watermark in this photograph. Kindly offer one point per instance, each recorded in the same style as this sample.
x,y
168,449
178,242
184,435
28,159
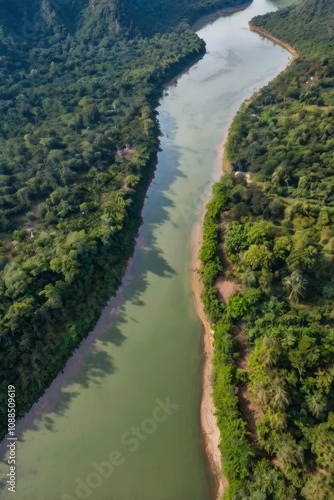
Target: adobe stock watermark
x,y
130,442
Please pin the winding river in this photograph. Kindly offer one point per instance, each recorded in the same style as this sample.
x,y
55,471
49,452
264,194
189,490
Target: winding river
x,y
122,421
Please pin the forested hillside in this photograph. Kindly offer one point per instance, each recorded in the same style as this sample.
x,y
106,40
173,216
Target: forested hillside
x,y
79,136
308,26
273,234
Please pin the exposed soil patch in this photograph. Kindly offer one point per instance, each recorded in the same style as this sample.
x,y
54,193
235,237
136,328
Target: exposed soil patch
x,y
242,362
129,153
247,409
248,412
126,152
227,288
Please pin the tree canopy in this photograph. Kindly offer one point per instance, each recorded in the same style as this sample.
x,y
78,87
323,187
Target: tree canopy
x,y
79,83
274,235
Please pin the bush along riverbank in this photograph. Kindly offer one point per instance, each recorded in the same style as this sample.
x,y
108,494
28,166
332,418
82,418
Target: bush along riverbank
x,y
273,235
56,282
78,151
273,364
236,450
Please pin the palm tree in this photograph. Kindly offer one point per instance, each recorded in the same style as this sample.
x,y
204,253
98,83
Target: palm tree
x,y
289,452
324,379
262,394
288,340
277,176
317,487
278,421
296,285
280,398
316,404
270,351
264,476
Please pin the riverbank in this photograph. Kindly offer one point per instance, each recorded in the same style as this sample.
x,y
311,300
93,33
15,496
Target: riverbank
x,y
153,328
209,425
211,18
272,307
266,34
201,23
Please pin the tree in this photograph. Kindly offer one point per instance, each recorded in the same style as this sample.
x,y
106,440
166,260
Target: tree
x,y
295,285
260,232
316,404
288,452
280,398
306,355
322,443
282,247
318,486
257,257
236,239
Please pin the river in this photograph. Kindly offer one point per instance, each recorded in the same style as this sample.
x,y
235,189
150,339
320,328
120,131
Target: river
x,y
122,421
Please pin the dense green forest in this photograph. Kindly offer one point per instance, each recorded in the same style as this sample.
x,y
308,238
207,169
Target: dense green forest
x,y
79,83
273,234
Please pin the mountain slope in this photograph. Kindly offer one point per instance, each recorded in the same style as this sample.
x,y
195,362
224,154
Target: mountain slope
x,y
308,26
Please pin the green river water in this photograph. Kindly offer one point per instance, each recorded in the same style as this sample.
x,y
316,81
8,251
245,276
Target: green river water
x,y
130,395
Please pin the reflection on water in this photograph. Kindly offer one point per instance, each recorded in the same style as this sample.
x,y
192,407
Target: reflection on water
x,y
147,345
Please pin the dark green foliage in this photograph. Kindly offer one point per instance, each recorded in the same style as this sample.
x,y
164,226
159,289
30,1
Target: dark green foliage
x,y
279,235
211,266
290,332
79,83
236,452
149,16
308,26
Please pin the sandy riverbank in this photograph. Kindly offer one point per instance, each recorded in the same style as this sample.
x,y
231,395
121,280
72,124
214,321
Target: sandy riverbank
x,y
209,426
266,34
208,419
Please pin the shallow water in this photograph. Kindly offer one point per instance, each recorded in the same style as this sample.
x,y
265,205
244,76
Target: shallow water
x,y
130,396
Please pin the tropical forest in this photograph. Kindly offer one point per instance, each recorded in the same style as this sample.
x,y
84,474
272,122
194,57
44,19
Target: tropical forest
x,y
81,87
80,81
269,228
